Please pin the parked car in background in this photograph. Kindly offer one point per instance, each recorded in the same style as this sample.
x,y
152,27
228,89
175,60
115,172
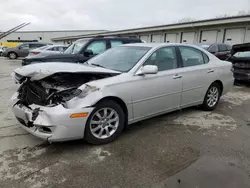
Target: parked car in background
x,y
125,84
84,49
220,50
22,50
47,50
2,49
240,58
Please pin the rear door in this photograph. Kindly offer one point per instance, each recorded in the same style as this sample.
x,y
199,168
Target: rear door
x,y
23,50
195,75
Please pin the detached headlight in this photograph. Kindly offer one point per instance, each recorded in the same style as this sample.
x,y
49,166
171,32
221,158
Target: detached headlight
x,y
87,90
69,94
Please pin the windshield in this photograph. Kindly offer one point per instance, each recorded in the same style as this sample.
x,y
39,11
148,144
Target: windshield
x,y
204,46
121,58
242,54
76,47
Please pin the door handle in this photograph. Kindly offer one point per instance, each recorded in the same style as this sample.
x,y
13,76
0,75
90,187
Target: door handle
x,y
210,71
177,76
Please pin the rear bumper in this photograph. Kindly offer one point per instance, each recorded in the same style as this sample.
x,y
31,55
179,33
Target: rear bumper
x,y
50,123
242,76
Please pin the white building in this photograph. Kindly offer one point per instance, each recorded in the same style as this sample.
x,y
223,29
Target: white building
x,y
231,30
46,36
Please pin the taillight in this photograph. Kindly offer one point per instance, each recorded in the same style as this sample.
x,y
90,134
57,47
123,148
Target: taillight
x,y
35,53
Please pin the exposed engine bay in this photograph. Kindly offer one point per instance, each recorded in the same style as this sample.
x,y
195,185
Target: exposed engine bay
x,y
54,89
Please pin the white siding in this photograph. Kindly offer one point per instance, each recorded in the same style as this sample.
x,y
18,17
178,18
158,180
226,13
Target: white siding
x,y
188,37
247,37
157,38
46,35
145,38
171,38
209,36
234,36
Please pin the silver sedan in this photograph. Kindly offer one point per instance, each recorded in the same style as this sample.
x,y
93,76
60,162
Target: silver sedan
x,y
124,85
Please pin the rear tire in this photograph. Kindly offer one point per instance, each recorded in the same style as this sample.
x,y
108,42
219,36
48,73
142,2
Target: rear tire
x,y
12,55
108,127
212,97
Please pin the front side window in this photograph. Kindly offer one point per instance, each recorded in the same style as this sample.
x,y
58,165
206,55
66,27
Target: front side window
x,y
115,43
120,58
97,47
191,56
222,48
24,46
164,59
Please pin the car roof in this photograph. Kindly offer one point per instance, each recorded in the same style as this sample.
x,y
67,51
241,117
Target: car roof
x,y
155,45
111,37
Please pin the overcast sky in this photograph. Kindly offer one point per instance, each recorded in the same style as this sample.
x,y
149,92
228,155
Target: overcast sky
x,y
110,14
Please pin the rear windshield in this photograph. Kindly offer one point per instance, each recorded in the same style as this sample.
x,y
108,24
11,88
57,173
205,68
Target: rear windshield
x,y
204,46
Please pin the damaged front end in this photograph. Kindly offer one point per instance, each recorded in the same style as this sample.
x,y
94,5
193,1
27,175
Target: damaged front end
x,y
55,89
240,58
41,105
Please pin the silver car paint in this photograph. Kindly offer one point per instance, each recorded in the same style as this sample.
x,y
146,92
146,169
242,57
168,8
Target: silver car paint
x,y
44,52
145,96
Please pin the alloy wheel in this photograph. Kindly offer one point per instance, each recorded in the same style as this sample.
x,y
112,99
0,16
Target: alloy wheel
x,y
213,96
104,123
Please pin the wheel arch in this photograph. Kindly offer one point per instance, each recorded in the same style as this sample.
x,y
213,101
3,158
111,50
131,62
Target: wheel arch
x,y
220,84
12,52
118,101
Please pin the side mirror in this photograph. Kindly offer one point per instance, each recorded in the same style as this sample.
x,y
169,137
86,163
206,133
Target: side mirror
x,y
88,53
148,69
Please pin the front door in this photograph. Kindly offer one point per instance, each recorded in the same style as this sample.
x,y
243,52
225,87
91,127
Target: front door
x,y
161,92
96,47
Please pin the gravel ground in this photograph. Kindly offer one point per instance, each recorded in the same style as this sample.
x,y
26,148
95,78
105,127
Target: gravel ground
x,y
188,148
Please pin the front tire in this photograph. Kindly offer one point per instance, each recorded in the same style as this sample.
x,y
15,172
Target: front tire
x,y
12,55
105,123
212,97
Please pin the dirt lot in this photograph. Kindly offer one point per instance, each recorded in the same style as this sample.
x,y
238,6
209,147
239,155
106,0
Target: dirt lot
x,y
188,148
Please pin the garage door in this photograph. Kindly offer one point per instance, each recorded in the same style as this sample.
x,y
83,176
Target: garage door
x,y
188,37
156,38
171,38
145,38
247,38
209,36
234,36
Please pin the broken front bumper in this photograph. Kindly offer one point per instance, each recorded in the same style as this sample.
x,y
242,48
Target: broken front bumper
x,y
50,123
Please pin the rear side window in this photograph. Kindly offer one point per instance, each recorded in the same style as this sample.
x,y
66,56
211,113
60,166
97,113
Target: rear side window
x,y
222,48
191,56
115,43
36,45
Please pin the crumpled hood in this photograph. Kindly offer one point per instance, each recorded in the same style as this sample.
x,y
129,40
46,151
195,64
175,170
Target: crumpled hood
x,y
43,70
240,48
